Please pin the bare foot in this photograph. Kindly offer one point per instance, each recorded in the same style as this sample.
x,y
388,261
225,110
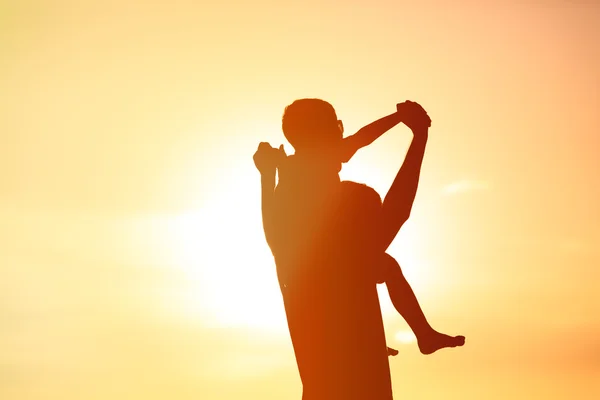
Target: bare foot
x,y
392,352
434,341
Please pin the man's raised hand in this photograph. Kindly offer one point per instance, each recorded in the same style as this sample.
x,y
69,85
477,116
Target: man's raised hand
x,y
268,158
414,116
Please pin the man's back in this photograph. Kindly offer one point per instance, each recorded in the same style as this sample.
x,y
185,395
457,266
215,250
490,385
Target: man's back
x,y
331,303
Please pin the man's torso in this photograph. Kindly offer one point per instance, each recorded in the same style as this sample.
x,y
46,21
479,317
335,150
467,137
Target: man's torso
x,y
330,299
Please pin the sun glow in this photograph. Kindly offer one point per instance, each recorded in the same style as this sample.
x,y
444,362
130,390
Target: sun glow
x,y
223,254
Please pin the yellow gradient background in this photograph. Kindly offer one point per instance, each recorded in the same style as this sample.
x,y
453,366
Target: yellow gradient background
x,y
132,259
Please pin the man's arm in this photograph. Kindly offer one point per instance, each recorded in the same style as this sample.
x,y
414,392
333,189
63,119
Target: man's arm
x,y
368,134
398,202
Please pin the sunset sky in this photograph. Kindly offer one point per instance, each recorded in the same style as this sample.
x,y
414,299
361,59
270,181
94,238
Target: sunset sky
x,y
132,259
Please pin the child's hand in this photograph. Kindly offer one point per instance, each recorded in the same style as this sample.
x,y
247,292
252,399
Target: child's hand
x,y
268,158
413,115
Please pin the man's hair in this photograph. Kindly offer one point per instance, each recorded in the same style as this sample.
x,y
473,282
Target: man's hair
x,y
307,122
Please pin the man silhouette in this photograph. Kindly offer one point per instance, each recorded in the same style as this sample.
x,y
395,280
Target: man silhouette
x,y
322,244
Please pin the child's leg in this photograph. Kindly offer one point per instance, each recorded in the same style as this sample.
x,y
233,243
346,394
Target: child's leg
x,y
406,303
403,298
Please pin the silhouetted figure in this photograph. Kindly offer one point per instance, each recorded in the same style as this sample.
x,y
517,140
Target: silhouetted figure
x,y
329,240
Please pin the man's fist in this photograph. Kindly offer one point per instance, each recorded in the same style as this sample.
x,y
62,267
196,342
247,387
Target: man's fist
x,y
268,158
413,115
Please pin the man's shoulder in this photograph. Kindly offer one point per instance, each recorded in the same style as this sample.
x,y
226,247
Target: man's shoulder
x,y
360,190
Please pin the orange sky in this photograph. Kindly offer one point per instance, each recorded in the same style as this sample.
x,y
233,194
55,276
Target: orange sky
x,y
130,205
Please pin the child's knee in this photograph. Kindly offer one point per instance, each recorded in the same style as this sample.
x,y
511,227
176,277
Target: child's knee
x,y
386,267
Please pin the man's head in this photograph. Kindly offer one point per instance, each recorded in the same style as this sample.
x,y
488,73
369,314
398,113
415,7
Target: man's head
x,y
312,128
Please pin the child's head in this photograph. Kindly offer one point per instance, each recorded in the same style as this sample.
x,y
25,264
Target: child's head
x,y
311,125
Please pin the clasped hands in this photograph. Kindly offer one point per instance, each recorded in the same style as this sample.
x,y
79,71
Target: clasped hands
x,y
414,116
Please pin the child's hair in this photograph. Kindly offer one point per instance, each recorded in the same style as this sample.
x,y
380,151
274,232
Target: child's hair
x,y
308,122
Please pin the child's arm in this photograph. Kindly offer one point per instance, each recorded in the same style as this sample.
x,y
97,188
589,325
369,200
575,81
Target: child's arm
x,y
267,183
368,134
267,159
